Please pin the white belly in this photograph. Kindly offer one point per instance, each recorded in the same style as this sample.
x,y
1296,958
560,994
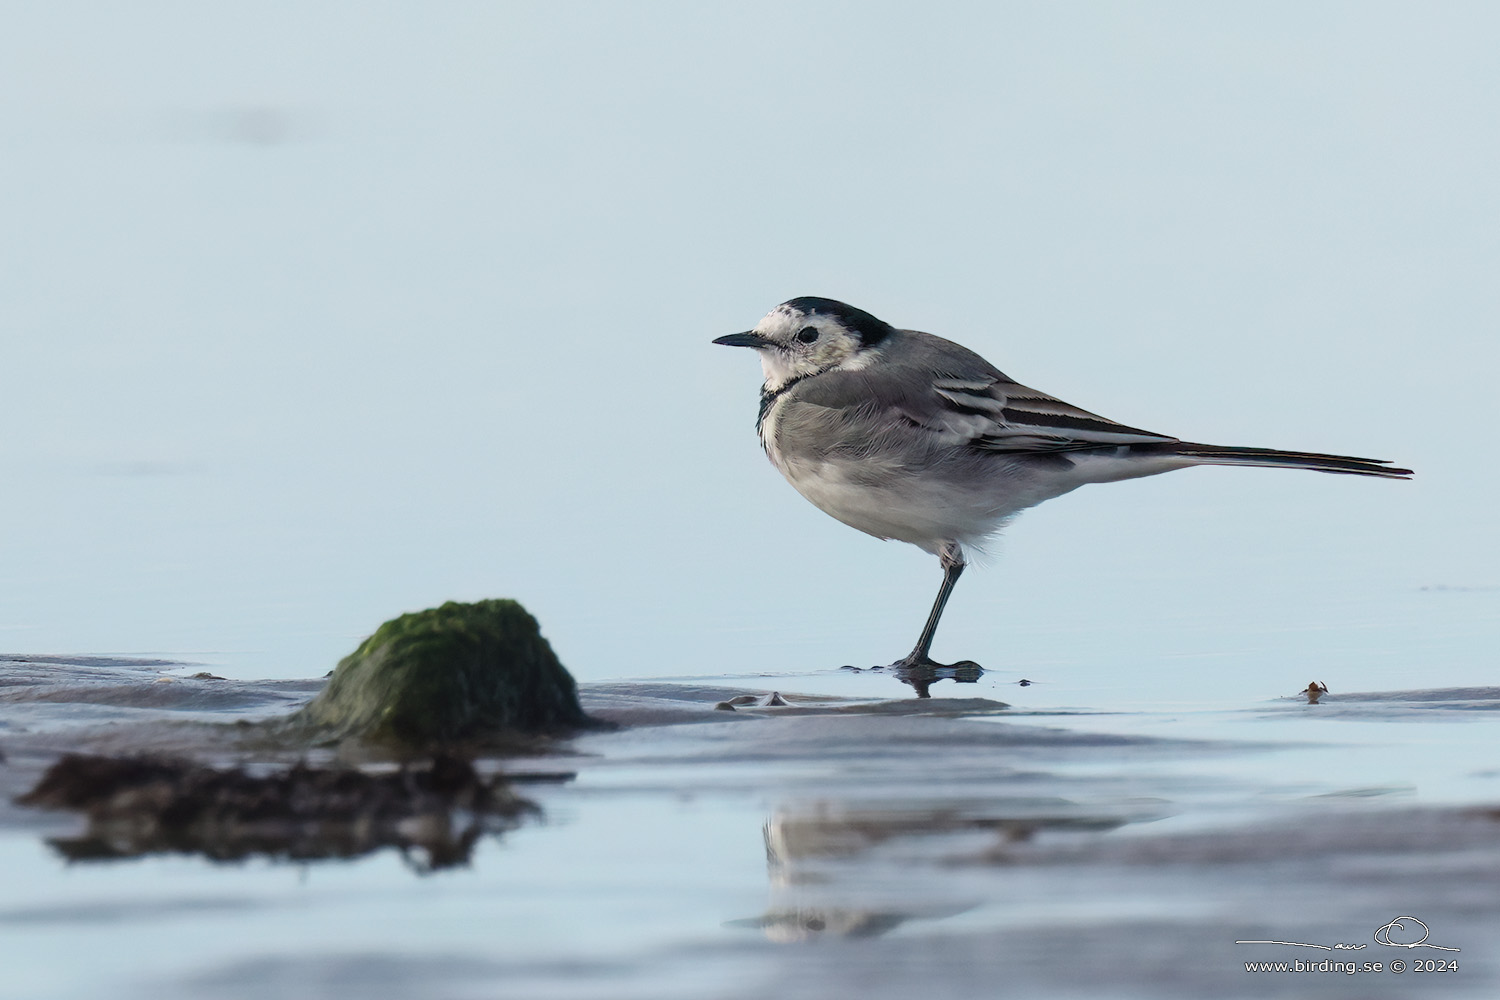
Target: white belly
x,y
925,510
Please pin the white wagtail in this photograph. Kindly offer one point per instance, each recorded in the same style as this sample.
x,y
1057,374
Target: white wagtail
x,y
905,435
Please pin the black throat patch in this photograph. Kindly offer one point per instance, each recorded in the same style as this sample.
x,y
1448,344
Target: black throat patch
x,y
768,399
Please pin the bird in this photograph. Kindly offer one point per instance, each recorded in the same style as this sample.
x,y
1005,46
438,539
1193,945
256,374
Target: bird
x,y
904,435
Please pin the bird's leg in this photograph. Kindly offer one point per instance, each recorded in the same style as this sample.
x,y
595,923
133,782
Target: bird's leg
x,y
918,668
953,566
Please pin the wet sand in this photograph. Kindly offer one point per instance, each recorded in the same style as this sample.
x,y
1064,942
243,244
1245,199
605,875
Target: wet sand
x,y
835,846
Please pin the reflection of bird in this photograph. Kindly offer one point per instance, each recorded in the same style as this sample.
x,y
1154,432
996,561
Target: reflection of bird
x,y
905,435
809,901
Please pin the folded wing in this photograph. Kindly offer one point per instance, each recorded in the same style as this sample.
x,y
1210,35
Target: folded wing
x,y
1003,416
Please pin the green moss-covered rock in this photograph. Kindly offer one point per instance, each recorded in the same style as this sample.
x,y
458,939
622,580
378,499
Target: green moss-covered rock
x,y
458,673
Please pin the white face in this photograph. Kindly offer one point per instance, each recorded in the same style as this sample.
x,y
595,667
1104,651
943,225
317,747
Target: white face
x,y
801,344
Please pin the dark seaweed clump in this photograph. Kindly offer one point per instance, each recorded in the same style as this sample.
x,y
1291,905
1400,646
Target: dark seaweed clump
x,y
141,805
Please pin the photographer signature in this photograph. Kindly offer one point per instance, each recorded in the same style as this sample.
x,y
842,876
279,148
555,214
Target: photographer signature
x,y
1382,937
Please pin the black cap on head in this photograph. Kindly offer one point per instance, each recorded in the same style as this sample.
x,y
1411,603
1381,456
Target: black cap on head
x,y
867,328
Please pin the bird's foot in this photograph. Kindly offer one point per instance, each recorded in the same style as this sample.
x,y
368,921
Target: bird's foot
x,y
921,672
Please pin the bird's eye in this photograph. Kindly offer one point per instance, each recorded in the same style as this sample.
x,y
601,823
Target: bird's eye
x,y
808,334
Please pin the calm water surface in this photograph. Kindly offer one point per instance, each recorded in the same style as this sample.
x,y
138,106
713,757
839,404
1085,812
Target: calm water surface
x,y
835,848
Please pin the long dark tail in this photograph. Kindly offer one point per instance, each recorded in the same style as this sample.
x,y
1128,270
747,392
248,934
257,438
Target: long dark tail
x,y
1211,454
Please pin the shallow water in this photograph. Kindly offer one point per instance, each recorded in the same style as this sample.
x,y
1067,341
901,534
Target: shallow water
x,y
840,846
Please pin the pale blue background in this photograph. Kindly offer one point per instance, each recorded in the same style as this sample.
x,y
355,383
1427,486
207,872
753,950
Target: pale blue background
x,y
311,314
